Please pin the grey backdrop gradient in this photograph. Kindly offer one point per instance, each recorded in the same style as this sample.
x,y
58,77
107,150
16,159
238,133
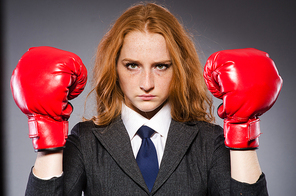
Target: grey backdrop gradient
x,y
78,26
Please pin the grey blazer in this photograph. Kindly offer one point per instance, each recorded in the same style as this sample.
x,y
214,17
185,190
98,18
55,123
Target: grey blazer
x,y
99,161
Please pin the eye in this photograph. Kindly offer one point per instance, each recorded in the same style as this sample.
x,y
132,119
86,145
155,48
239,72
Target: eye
x,y
131,66
162,66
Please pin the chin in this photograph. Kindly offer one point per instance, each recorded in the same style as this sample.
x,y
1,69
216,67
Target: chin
x,y
146,110
151,108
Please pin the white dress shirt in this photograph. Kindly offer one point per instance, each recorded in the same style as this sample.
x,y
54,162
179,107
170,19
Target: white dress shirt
x,y
160,123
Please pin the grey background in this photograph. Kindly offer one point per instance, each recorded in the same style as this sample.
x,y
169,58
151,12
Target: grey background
x,y
78,26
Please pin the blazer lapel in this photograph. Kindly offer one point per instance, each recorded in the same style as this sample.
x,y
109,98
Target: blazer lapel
x,y
179,139
117,142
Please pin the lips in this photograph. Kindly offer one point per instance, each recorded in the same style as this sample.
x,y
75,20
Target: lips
x,y
146,97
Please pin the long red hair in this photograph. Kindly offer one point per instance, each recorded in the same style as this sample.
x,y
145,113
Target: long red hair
x,y
189,98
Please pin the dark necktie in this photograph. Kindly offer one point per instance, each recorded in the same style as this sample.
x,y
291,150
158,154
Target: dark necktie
x,y
147,157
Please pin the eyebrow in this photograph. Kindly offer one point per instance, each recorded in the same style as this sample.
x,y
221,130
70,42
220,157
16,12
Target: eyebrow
x,y
156,62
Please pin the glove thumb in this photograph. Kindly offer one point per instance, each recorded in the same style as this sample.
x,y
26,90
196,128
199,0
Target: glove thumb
x,y
67,111
221,111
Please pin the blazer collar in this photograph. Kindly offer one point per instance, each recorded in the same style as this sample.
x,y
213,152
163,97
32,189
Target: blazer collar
x,y
117,142
179,139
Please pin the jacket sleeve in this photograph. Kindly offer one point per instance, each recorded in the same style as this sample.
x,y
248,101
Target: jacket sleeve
x,y
259,188
37,186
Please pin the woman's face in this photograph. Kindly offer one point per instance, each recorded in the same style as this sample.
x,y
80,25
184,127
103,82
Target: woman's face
x,y
145,72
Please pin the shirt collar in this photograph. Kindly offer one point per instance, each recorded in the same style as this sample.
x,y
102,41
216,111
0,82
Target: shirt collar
x,y
160,122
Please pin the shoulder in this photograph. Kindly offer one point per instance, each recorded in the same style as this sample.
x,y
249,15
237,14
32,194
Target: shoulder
x,y
83,131
206,127
85,127
83,134
207,133
82,126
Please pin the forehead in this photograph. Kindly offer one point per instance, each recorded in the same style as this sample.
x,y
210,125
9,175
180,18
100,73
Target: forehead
x,y
142,44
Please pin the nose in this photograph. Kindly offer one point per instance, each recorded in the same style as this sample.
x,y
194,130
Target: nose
x,y
147,81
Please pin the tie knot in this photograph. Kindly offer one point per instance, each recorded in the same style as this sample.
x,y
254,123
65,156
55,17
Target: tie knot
x,y
145,132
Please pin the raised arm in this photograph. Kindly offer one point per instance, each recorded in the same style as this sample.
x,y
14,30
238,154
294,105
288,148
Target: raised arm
x,y
42,83
249,84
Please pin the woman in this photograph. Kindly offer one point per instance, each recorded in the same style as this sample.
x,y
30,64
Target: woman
x,y
147,72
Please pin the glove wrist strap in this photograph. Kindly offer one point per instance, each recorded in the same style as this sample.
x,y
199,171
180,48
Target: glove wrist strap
x,y
46,133
242,136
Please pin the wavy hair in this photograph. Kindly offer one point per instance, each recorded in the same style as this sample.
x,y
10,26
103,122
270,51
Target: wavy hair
x,y
188,95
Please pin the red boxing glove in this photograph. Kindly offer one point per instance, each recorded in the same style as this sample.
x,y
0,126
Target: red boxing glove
x,y
249,84
42,83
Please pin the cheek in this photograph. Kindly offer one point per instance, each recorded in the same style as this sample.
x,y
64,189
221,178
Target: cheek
x,y
122,77
165,83
122,84
126,83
